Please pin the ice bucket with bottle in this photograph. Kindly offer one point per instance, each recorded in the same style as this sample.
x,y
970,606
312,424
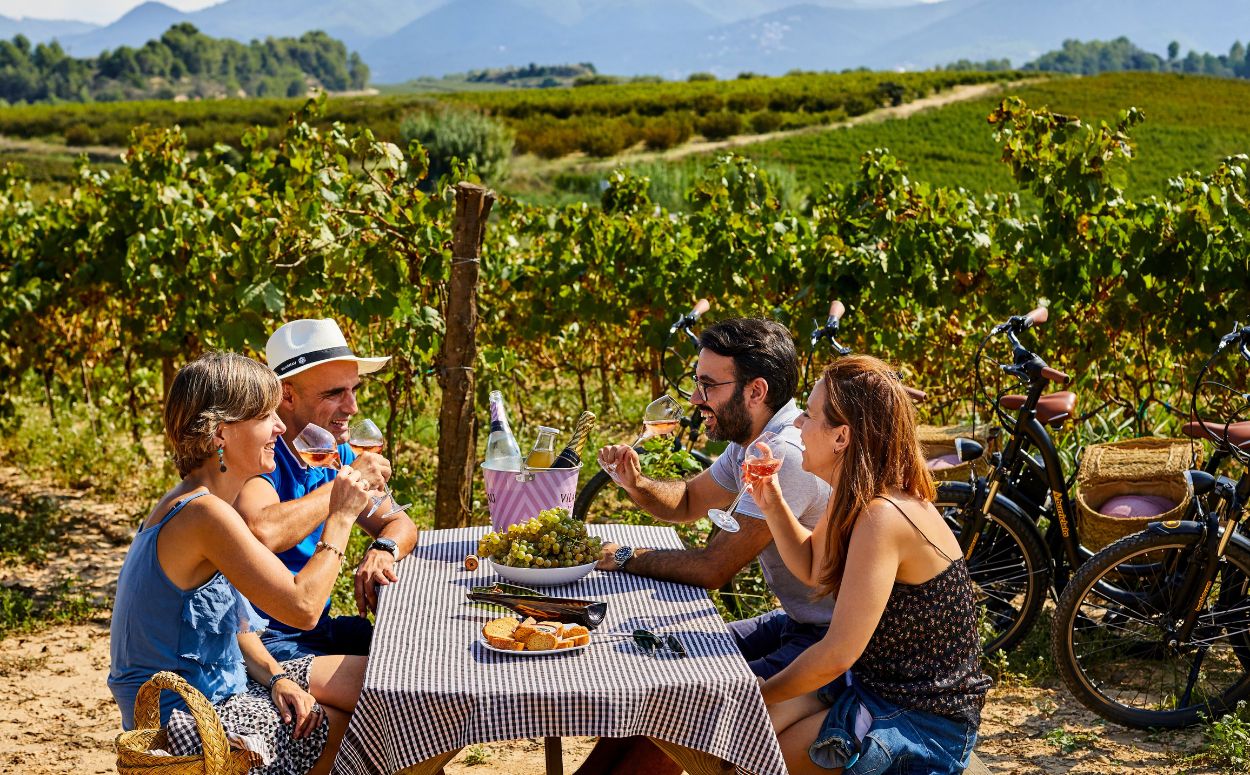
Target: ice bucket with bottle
x,y
517,496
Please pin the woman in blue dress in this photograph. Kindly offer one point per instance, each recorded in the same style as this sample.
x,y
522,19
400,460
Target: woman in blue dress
x,y
186,587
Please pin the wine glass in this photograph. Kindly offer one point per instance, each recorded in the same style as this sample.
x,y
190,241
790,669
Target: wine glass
x,y
366,436
661,417
315,446
754,468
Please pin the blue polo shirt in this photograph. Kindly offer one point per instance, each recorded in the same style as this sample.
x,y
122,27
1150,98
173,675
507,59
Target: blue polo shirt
x,y
291,479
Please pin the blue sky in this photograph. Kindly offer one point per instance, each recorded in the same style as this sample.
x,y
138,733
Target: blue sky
x,y
98,11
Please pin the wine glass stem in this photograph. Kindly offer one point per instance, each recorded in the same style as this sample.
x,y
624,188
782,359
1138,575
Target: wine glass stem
x,y
734,505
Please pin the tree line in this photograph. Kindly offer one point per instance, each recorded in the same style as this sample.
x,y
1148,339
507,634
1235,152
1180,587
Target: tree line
x,y
183,62
1113,56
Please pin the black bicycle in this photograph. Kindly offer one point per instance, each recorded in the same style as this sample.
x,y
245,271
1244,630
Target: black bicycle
x,y
996,516
1154,630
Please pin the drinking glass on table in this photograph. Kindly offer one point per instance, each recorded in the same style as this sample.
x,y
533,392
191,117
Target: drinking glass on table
x,y
662,417
366,436
756,466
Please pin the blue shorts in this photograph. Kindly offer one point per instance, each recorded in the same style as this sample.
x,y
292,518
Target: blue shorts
x,y
898,741
772,641
331,635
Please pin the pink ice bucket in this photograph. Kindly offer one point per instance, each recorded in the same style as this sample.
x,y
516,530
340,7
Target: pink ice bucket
x,y
514,496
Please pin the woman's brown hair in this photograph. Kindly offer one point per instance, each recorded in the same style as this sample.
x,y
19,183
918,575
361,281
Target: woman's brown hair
x,y
210,391
865,394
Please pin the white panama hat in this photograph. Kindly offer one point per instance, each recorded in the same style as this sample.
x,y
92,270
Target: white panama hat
x,y
301,344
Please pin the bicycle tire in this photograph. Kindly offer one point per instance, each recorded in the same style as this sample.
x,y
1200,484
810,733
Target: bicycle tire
x,y
1009,567
593,492
1104,627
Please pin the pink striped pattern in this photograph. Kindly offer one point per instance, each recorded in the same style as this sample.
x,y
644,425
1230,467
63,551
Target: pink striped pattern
x,y
511,501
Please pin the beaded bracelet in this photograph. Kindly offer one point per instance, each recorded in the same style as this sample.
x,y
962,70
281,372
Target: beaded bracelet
x,y
333,548
275,678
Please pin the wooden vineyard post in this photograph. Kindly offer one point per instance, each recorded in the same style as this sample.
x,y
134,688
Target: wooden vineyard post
x,y
457,424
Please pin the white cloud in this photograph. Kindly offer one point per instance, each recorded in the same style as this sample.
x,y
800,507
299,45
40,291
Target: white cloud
x,y
98,11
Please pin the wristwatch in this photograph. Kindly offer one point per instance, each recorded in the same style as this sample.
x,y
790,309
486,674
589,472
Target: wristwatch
x,y
386,545
623,555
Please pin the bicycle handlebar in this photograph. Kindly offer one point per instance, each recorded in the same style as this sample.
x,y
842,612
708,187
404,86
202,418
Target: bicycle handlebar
x,y
915,394
1037,317
1054,375
690,318
836,310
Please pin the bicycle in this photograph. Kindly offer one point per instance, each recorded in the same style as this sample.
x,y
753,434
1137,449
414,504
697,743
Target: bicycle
x,y
1154,630
996,516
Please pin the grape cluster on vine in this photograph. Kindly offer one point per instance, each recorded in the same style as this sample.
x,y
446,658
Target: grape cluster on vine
x,y
553,539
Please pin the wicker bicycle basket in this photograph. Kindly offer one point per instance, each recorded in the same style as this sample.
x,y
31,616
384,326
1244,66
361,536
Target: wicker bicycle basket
x,y
1146,466
938,440
134,748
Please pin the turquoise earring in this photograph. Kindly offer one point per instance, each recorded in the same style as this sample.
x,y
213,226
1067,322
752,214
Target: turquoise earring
x,y
221,459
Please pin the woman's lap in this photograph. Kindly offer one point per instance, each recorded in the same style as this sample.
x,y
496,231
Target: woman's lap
x,y
252,713
867,735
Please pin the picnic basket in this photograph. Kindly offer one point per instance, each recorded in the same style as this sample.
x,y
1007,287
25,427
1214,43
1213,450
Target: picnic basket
x,y
1145,466
938,440
134,748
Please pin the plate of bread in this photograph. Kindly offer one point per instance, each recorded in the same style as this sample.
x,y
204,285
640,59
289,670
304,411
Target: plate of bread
x,y
510,635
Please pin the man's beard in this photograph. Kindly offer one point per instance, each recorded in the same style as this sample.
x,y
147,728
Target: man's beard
x,y
733,422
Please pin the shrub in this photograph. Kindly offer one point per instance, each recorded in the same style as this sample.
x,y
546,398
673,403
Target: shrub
x,y
608,139
666,132
452,133
718,126
701,77
764,121
79,135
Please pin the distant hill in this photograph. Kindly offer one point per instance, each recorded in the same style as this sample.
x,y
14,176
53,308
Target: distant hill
x,y
42,29
403,39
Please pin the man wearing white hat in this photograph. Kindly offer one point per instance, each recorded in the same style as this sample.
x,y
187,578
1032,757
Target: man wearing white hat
x,y
286,509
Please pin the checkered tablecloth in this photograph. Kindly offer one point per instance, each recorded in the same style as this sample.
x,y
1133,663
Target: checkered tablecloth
x,y
431,687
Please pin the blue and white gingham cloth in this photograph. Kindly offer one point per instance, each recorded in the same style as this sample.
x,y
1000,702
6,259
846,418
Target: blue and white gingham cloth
x,y
431,687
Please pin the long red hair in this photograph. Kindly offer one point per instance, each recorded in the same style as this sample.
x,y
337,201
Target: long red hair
x,y
865,394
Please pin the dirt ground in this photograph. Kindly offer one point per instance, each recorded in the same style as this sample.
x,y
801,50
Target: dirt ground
x,y
57,715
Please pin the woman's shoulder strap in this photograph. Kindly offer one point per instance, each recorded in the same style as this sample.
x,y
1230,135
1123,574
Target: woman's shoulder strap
x,y
936,548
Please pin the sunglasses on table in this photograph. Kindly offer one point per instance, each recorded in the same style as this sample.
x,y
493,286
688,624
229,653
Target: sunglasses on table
x,y
653,643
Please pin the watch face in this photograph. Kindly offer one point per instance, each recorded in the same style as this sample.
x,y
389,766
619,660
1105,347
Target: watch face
x,y
622,555
385,544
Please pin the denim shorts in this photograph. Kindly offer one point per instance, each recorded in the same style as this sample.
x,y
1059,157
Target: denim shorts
x,y
331,635
898,741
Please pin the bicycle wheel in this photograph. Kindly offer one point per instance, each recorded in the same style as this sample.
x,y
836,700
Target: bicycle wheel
x,y
1009,567
1112,634
602,501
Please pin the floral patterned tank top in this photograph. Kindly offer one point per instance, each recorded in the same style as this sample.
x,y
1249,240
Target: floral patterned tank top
x,y
926,653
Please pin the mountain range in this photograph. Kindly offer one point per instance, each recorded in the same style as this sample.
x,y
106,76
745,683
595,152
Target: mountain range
x,y
401,39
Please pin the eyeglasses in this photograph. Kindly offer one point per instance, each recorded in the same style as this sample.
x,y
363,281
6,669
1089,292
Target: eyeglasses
x,y
699,388
653,643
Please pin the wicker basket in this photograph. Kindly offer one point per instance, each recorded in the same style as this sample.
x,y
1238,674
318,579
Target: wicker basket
x,y
134,748
938,440
1146,466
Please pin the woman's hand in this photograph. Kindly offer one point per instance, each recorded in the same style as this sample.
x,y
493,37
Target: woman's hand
x,y
349,494
765,490
294,703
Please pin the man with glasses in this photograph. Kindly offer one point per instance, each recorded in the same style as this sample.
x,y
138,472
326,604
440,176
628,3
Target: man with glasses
x,y
747,375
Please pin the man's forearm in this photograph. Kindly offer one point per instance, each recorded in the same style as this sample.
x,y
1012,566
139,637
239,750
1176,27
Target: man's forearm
x,y
685,566
280,526
664,500
402,531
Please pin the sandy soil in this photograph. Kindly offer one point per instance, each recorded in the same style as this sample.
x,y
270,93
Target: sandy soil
x,y
57,715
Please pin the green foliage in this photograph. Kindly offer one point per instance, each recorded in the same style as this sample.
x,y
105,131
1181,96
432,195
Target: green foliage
x,y
1069,741
1226,741
24,609
455,134
183,61
475,755
660,461
718,126
30,528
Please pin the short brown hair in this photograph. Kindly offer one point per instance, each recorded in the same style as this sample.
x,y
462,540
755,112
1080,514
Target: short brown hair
x,y
210,391
866,394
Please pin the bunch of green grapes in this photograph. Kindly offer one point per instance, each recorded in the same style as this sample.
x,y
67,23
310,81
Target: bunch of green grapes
x,y
553,539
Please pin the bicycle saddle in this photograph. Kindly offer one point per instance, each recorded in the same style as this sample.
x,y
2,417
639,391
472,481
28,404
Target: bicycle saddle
x,y
1238,432
1052,409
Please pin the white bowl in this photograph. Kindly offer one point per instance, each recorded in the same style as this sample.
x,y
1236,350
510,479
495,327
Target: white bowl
x,y
542,577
